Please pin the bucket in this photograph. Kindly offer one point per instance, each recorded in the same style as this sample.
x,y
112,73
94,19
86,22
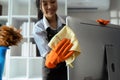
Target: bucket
x,y
3,50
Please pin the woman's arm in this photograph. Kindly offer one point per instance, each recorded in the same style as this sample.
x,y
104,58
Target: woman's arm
x,y
40,37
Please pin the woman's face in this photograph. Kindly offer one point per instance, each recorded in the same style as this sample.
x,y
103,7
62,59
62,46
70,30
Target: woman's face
x,y
49,7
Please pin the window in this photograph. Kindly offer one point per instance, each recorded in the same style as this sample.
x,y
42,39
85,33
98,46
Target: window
x,y
115,17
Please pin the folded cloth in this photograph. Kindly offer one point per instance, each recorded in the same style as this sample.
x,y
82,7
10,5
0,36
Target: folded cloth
x,y
66,32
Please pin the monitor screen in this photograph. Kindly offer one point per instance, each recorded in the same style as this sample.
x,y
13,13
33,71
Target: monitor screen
x,y
93,38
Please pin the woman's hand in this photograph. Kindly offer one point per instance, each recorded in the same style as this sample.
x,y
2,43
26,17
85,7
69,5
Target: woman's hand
x,y
59,53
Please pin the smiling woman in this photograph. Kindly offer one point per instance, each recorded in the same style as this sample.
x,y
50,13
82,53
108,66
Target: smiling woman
x,y
48,25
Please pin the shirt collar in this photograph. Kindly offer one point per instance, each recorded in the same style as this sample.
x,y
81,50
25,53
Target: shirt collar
x,y
59,22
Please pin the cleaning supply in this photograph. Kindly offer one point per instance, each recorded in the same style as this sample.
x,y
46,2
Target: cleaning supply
x,y
67,32
9,36
102,21
59,53
3,50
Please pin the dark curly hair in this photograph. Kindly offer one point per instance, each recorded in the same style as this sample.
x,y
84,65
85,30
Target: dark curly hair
x,y
40,14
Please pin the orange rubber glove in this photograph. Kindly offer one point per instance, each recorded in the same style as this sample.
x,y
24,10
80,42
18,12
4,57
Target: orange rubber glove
x,y
59,53
102,21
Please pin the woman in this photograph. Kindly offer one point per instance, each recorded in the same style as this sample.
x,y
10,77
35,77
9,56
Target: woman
x,y
48,25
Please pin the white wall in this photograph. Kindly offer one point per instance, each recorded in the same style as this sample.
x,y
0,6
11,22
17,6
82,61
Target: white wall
x,y
114,5
91,15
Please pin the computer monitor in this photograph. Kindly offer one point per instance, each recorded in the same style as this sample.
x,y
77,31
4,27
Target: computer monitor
x,y
93,38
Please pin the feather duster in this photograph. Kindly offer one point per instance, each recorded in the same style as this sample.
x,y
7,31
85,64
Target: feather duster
x,y
9,36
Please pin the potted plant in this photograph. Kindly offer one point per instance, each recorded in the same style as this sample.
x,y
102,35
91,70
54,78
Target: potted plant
x,y
9,36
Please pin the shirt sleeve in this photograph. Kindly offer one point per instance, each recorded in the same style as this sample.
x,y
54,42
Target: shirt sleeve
x,y
40,37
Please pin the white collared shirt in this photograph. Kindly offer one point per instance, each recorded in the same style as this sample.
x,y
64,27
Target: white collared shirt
x,y
40,34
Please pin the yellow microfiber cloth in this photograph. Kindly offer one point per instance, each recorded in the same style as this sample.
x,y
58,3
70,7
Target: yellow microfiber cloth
x,y
66,32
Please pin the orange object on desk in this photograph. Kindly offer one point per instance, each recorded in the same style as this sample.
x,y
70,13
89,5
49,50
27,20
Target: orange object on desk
x,y
102,21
